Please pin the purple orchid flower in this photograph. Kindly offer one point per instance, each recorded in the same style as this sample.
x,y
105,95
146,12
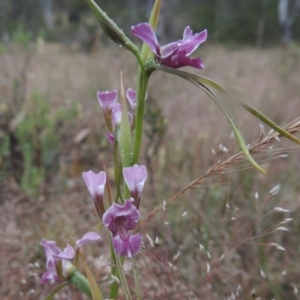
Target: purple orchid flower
x,y
112,110
131,96
51,250
55,256
107,101
175,54
119,219
116,115
135,178
96,186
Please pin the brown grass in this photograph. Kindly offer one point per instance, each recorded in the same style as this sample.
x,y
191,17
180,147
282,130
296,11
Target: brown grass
x,y
62,209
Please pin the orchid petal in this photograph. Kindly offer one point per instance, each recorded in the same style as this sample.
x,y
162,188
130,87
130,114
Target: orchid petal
x,y
131,96
190,44
128,247
107,99
88,238
128,210
95,183
187,33
68,253
145,32
168,50
186,61
135,178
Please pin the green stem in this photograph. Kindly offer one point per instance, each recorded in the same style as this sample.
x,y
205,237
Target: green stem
x,y
119,273
120,262
136,280
142,84
114,287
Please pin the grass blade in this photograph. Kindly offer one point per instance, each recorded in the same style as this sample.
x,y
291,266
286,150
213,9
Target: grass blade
x,y
270,123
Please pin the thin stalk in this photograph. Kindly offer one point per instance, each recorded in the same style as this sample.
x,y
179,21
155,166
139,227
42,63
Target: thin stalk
x,y
114,287
142,83
122,277
136,280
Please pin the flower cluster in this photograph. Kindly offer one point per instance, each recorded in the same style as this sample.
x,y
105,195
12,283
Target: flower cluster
x,y
58,263
119,219
175,54
112,110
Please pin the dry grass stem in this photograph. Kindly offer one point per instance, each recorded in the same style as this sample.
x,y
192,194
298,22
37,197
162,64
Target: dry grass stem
x,y
260,148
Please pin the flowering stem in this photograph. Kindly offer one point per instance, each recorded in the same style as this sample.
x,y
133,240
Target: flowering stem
x,y
122,277
119,273
142,84
114,287
136,280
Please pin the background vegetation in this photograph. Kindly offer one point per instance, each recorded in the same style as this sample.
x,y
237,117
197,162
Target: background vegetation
x,y
230,21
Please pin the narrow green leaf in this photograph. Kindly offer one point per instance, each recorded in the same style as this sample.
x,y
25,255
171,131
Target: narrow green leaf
x,y
56,290
96,293
186,75
200,83
233,124
270,123
140,111
125,134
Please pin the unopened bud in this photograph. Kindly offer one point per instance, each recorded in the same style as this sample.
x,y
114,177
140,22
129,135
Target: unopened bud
x,y
111,29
